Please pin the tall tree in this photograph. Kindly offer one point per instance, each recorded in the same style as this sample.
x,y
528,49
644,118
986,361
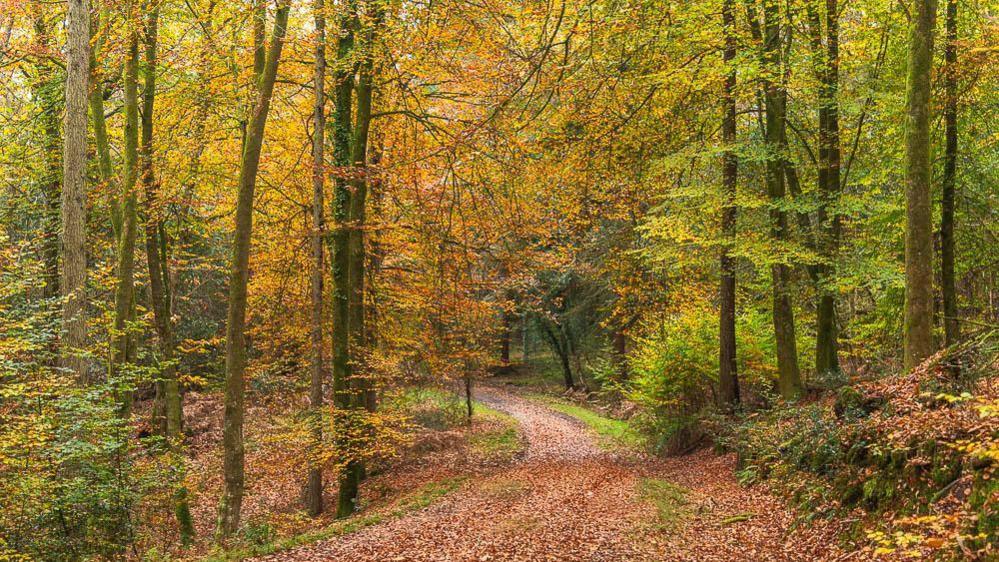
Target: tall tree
x,y
74,192
728,379
169,405
125,270
919,213
235,361
314,486
775,101
362,391
342,128
948,183
826,68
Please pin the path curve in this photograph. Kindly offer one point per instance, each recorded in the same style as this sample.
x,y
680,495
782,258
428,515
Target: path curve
x,y
568,500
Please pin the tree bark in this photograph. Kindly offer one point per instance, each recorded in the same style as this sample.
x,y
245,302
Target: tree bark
x,y
826,70
918,233
74,192
560,346
159,282
124,295
728,378
96,102
364,396
505,336
342,133
948,184
775,95
43,90
314,487
232,437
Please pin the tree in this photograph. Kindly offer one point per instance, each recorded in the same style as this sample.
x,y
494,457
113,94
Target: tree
x,y
919,232
948,183
775,130
728,378
314,486
124,296
232,439
826,69
343,86
44,92
74,193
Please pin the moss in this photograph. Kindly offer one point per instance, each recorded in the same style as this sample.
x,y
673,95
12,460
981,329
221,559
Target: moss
x,y
670,500
983,500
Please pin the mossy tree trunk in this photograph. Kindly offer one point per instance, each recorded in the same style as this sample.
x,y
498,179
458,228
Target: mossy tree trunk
x,y
232,437
728,379
919,212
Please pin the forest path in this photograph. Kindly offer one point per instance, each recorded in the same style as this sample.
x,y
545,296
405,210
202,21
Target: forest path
x,y
569,500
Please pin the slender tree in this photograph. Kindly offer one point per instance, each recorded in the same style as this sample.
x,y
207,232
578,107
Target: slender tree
x,y
826,69
948,183
919,213
314,486
361,388
775,129
74,192
728,379
342,128
232,436
125,270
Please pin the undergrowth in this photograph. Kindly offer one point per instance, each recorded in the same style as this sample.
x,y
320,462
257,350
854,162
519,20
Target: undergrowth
x,y
913,455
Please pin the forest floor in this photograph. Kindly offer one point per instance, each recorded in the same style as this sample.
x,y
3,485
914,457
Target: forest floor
x,y
569,497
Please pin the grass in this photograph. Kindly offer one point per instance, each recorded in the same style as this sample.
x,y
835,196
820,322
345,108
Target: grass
x,y
670,500
419,499
612,433
503,442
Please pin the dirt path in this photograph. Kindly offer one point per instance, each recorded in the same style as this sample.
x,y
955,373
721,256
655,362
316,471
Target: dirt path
x,y
568,500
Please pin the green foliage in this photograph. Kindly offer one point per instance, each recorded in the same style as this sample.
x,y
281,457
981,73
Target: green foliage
x,y
675,369
429,407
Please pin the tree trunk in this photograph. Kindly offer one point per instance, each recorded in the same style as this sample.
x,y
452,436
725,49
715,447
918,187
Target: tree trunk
x,y
314,488
124,295
728,379
525,337
918,233
156,256
947,244
620,353
74,193
342,132
232,438
505,338
96,101
560,346
43,90
361,383
789,381
826,69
